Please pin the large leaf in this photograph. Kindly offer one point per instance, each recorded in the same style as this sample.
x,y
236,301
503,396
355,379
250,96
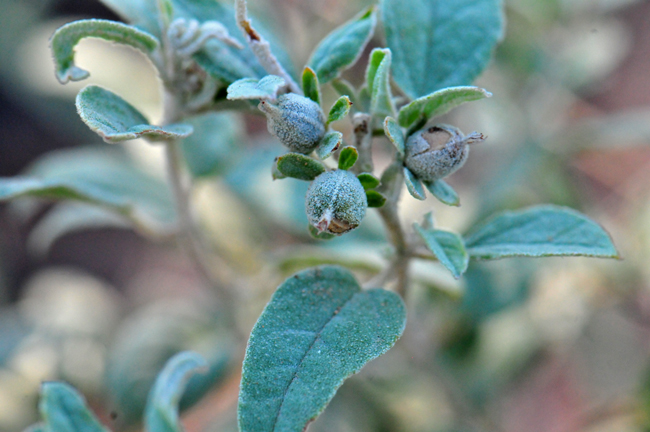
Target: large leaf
x,y
438,103
448,247
343,47
161,413
67,37
539,231
65,410
318,329
116,120
440,43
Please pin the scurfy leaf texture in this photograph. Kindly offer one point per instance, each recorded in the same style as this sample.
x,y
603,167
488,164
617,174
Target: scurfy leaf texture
x,y
318,329
329,144
539,231
414,185
339,110
251,88
440,43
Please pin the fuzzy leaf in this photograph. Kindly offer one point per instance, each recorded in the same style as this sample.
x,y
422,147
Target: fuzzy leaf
x,y
445,193
67,37
440,43
448,247
329,144
251,88
343,47
539,231
318,329
368,181
310,85
344,88
438,103
299,166
378,82
375,199
116,120
339,110
65,410
161,413
348,158
414,185
394,134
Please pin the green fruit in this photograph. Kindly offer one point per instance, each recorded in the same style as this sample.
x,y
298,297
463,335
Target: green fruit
x,y
435,152
336,202
298,122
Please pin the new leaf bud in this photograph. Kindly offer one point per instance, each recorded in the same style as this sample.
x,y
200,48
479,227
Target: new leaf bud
x,y
336,202
298,122
435,152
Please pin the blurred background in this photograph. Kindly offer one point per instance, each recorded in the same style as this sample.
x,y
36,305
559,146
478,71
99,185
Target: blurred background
x,y
542,345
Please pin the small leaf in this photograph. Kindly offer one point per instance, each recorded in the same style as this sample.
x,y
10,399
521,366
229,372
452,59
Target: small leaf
x,y
375,199
394,134
161,413
439,103
115,120
414,185
344,88
65,39
65,410
539,231
320,235
448,247
343,47
440,43
299,166
318,329
251,88
368,181
378,82
329,144
339,110
445,193
348,157
310,85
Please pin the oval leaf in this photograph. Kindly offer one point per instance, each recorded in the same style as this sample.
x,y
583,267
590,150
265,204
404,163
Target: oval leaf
x,y
318,329
344,88
448,247
161,413
378,82
439,103
343,47
310,85
65,410
375,199
116,120
339,110
414,185
445,193
348,158
330,143
539,231
394,134
65,39
368,181
299,166
251,88
440,43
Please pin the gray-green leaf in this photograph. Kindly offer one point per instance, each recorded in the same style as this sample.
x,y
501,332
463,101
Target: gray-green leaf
x,y
299,166
539,231
394,134
414,185
378,82
329,144
339,110
318,329
310,85
116,120
445,193
161,413
343,47
67,37
439,103
348,158
251,88
448,247
440,43
65,410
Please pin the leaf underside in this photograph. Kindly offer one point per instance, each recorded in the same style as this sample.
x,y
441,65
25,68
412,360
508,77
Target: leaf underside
x,y
251,88
445,193
329,144
414,185
448,247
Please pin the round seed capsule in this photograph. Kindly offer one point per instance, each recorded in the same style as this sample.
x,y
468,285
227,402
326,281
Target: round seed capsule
x,y
298,122
437,151
336,202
